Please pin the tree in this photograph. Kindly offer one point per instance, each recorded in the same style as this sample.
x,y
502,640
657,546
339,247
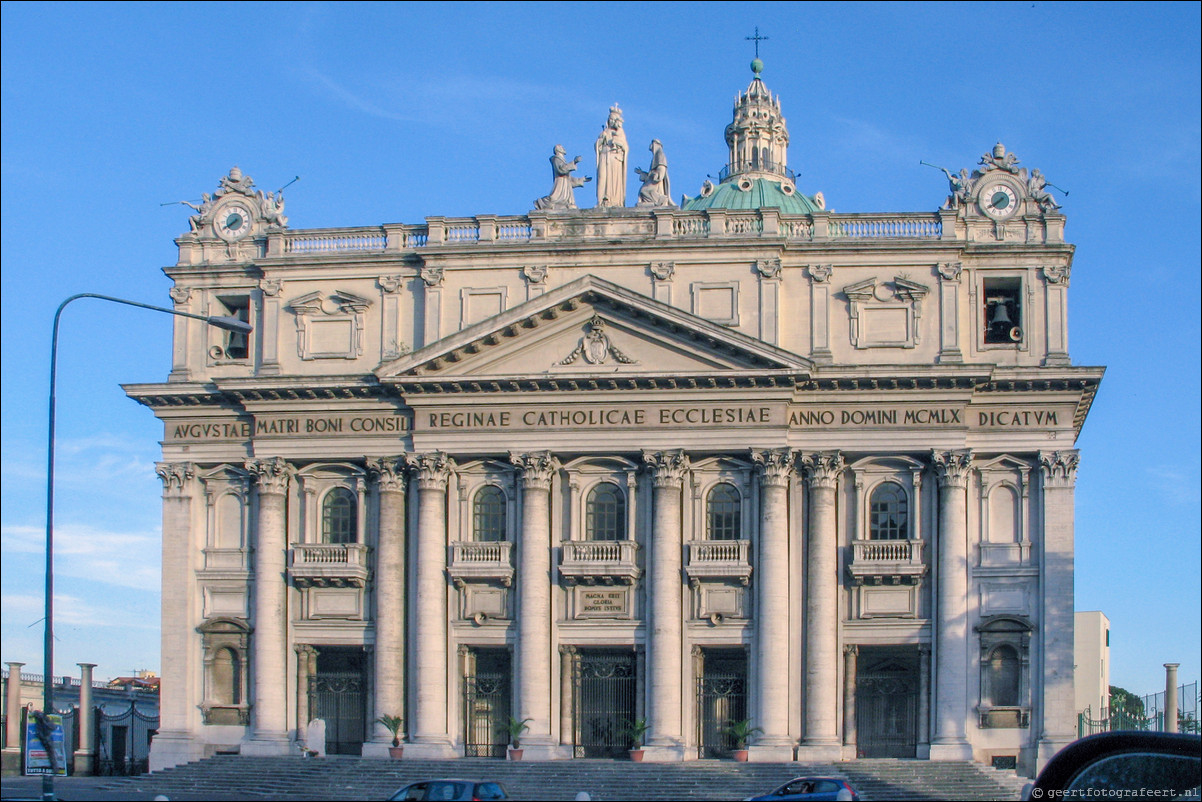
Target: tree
x,y
1125,702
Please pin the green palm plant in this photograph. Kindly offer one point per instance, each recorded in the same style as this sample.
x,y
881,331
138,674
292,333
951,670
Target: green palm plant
x,y
635,730
741,732
393,724
515,729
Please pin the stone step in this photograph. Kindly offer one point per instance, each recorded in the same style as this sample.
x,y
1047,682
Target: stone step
x,y
352,778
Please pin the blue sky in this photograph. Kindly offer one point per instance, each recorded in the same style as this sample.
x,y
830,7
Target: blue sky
x,y
391,113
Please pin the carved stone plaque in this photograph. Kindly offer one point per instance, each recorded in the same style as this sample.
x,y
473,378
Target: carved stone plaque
x,y
603,602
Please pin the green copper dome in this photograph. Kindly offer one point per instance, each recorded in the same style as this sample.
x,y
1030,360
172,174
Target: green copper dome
x,y
763,193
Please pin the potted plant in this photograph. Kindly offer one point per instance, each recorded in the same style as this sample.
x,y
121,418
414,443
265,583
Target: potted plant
x,y
741,732
393,724
515,729
635,730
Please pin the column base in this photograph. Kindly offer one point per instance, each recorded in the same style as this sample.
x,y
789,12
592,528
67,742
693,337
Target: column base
x,y
268,746
380,748
770,753
821,752
431,749
10,762
951,750
670,753
543,749
1046,749
85,764
170,749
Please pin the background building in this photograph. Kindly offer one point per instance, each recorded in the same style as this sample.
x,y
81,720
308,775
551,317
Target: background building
x,y
746,458
1092,650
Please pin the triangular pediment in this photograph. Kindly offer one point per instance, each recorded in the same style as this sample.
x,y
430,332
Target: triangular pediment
x,y
588,328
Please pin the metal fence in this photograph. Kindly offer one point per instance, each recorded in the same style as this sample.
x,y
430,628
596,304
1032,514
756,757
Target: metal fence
x,y
120,740
1147,715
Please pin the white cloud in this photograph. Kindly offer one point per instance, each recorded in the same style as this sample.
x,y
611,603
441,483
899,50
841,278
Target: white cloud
x,y
124,559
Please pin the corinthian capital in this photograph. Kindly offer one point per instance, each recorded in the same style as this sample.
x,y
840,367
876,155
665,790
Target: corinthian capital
x,y
536,467
270,474
775,466
388,473
432,469
822,469
175,476
1059,467
667,467
952,467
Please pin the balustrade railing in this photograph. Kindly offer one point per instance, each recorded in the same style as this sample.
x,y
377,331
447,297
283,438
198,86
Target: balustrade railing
x,y
719,551
467,231
744,224
480,553
326,554
895,551
300,244
586,552
463,233
885,227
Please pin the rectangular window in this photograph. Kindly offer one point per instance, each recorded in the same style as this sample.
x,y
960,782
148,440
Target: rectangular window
x,y
237,344
1003,311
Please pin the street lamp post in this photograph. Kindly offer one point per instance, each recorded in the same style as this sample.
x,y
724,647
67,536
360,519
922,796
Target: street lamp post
x,y
227,323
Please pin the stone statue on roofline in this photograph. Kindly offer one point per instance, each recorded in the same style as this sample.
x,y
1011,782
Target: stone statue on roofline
x,y
655,190
611,161
561,197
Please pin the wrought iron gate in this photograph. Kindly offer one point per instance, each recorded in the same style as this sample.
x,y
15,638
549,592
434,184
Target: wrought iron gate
x,y
486,706
123,741
603,703
887,711
337,697
721,701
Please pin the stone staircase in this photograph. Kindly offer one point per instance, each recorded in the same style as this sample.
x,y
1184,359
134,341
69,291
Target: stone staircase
x,y
351,778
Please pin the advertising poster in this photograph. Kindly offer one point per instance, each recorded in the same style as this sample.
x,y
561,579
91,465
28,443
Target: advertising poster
x,y
37,759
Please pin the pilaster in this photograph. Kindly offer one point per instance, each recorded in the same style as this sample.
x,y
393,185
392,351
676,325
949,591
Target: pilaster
x,y
430,732
665,663
951,645
173,743
774,468
269,643
820,301
1058,470
534,676
949,313
821,739
388,474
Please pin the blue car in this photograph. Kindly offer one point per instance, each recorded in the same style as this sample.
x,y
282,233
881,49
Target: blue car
x,y
450,791
811,788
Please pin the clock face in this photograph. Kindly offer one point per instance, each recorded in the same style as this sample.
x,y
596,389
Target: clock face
x,y
233,221
998,201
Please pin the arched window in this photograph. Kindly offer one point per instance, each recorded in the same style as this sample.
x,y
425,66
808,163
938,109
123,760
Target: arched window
x,y
227,677
339,517
887,513
724,513
605,513
1003,677
488,514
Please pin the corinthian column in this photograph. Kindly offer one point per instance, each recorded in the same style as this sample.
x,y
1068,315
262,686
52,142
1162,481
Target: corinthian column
x,y
174,743
269,643
666,742
772,608
535,683
821,741
951,634
429,732
1059,473
389,476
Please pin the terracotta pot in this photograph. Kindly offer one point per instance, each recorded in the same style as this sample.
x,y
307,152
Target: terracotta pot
x,y
636,755
395,752
740,755
515,754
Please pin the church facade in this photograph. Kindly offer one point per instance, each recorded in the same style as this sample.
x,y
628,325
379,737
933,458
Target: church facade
x,y
739,461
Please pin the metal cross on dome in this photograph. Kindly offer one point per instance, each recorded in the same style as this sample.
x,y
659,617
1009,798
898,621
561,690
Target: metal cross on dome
x,y
757,39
